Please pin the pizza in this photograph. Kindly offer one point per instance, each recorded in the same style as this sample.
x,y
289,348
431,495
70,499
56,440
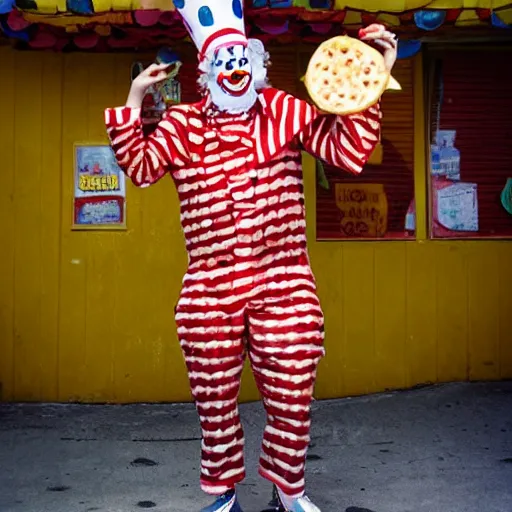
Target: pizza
x,y
346,76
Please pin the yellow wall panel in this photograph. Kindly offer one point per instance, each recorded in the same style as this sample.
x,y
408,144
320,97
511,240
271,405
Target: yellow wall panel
x,y
420,315
390,288
329,282
101,255
505,308
451,268
75,272
88,316
28,120
483,314
49,221
7,224
357,309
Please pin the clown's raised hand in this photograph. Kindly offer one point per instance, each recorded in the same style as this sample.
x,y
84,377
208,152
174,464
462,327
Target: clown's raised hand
x,y
384,39
152,75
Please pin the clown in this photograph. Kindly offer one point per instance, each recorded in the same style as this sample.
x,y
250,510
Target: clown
x,y
235,158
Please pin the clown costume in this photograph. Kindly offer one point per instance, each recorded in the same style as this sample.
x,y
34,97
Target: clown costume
x,y
235,158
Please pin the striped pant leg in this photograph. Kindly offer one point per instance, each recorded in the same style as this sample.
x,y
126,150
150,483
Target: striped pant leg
x,y
212,344
286,344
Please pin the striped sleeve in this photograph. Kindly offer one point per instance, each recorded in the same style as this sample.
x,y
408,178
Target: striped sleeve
x,y
345,142
147,158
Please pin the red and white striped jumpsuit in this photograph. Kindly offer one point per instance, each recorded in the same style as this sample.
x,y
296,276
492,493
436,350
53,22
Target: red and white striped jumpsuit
x,y
249,285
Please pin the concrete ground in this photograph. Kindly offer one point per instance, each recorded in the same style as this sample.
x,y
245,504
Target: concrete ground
x,y
441,449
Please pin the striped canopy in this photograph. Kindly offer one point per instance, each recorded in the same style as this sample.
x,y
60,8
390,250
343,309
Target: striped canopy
x,y
127,24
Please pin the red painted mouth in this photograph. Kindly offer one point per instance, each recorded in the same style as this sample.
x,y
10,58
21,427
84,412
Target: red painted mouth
x,y
236,83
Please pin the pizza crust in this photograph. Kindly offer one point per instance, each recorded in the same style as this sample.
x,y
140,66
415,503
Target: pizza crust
x,y
346,76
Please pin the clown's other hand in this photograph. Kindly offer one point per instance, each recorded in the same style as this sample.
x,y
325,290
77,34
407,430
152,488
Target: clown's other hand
x,y
386,40
152,75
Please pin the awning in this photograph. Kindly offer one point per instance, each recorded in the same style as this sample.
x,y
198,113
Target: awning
x,y
125,24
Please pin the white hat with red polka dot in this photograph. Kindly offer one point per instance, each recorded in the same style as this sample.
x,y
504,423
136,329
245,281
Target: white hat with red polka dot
x,y
213,24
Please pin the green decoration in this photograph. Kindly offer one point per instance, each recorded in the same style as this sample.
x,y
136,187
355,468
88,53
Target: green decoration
x,y
506,196
321,177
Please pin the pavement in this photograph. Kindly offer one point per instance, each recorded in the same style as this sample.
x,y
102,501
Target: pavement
x,y
440,449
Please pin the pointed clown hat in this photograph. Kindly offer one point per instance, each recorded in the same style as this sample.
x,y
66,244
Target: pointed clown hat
x,y
213,24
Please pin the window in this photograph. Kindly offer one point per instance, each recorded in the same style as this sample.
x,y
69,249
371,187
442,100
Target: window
x,y
378,203
470,108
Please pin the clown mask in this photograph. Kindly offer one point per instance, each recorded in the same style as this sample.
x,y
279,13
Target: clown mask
x,y
233,74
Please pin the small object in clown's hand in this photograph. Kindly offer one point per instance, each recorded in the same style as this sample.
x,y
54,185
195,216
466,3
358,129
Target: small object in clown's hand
x,y
170,89
168,56
346,76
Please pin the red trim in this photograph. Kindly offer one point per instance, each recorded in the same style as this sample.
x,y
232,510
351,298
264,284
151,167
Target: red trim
x,y
209,40
80,202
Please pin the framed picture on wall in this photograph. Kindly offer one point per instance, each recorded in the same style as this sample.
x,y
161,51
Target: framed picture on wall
x,y
99,198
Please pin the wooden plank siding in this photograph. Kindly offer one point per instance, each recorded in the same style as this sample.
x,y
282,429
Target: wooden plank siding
x,y
88,316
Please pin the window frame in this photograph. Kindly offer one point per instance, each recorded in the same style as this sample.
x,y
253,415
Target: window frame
x,y
419,167
429,54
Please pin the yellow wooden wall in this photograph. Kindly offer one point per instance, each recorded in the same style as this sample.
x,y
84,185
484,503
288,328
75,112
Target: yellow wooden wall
x,y
88,316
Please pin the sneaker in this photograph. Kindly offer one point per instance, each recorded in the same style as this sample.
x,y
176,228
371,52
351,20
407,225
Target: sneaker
x,y
302,504
227,502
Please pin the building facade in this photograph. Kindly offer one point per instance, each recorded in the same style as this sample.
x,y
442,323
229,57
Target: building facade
x,y
87,315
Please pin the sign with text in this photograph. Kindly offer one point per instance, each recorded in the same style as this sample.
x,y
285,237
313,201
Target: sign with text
x,y
99,189
363,210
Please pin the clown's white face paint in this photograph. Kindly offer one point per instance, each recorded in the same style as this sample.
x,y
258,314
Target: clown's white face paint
x,y
230,80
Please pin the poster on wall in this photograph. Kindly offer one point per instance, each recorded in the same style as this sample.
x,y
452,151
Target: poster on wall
x,y
99,189
377,204
363,209
455,208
